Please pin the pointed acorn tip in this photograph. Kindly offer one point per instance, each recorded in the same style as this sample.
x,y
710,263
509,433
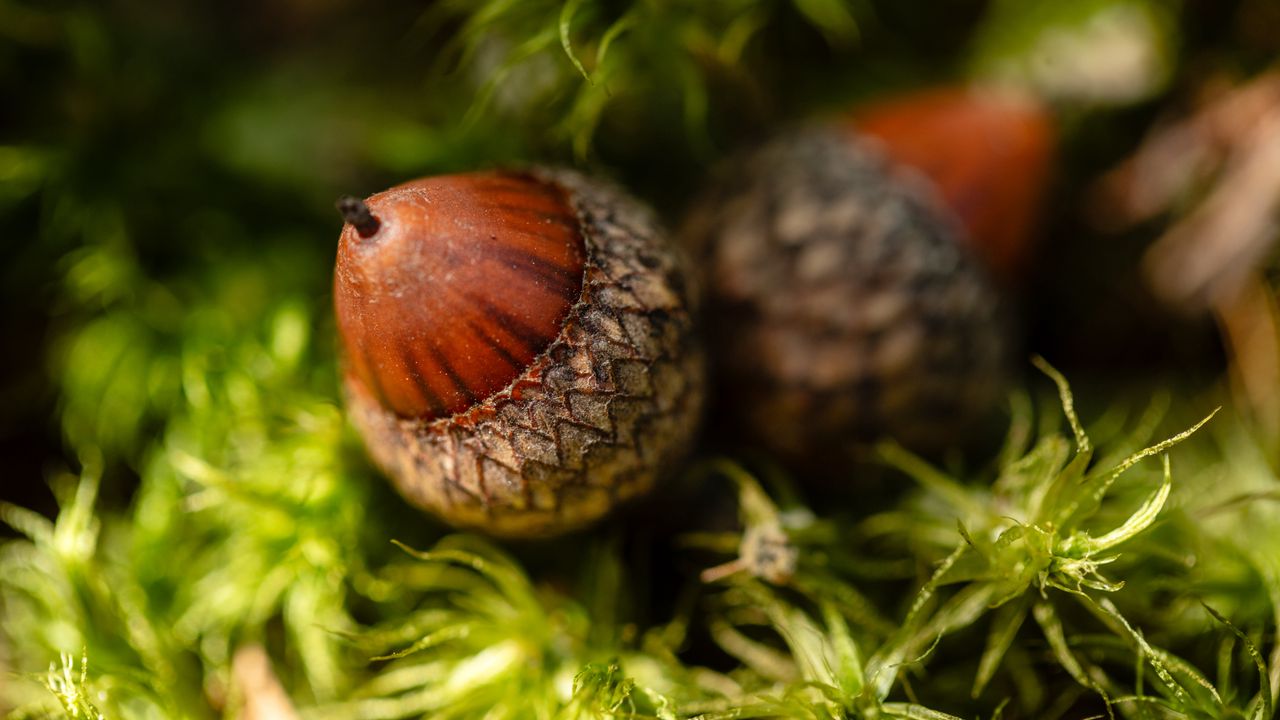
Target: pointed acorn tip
x,y
356,213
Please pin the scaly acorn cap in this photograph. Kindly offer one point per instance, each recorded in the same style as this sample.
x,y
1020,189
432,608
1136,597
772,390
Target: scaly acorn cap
x,y
844,305
519,347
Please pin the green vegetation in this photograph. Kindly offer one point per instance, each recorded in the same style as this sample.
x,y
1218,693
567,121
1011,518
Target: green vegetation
x,y
164,195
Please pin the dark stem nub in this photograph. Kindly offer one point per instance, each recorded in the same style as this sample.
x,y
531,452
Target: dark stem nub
x,y
355,212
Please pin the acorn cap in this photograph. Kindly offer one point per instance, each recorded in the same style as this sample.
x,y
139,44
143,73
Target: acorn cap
x,y
845,306
988,152
519,347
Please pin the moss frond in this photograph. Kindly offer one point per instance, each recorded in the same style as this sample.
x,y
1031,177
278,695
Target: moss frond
x,y
583,58
999,554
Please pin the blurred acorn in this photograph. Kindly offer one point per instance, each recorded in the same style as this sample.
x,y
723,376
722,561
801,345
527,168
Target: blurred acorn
x,y
519,348
848,297
987,152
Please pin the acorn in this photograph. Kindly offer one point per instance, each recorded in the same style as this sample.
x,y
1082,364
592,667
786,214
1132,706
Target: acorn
x,y
519,351
847,297
987,152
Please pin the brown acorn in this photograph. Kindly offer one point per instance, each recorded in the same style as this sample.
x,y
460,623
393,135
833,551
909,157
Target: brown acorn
x,y
846,301
987,152
519,346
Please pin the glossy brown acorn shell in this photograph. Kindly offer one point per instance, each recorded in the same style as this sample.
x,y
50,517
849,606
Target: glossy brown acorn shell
x,y
467,279
609,407
845,304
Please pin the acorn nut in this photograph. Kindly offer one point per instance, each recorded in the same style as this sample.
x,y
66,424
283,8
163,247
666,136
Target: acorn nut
x,y
519,348
848,300
986,152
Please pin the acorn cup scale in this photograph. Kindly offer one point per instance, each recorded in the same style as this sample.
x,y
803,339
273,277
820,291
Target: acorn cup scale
x,y
519,347
846,280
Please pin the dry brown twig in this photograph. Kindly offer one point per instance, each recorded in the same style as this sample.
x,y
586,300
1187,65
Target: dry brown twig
x,y
1232,146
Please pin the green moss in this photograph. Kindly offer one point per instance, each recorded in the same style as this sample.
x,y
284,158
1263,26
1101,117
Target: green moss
x,y
252,525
